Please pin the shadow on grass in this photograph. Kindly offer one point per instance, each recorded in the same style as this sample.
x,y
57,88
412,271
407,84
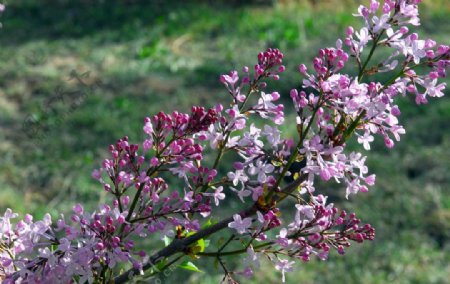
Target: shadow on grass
x,y
26,20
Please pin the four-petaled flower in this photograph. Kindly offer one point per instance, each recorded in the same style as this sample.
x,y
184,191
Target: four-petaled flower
x,y
239,224
218,195
284,265
365,140
261,169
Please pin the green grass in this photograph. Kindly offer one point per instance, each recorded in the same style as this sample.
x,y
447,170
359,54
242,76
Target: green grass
x,y
149,57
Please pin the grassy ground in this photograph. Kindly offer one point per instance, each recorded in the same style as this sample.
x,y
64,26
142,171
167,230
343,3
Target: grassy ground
x,y
135,58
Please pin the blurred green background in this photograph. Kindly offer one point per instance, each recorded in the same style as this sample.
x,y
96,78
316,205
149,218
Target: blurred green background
x,y
77,75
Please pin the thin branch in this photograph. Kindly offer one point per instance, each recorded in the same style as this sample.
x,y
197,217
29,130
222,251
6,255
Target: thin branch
x,y
180,245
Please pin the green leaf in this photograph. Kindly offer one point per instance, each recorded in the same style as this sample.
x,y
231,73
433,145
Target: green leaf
x,y
201,244
158,267
207,224
167,240
189,266
210,222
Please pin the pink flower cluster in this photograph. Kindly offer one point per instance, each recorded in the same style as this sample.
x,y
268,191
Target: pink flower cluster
x,y
315,228
168,187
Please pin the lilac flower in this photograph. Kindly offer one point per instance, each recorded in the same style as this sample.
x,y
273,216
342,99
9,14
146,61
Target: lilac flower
x,y
370,180
374,5
417,50
261,169
218,195
183,168
64,245
304,214
97,174
5,222
268,110
189,197
148,127
282,238
239,224
78,209
364,37
284,265
125,178
409,13
251,138
238,119
362,12
380,23
252,258
238,176
214,136
257,192
230,80
241,193
365,140
431,87
272,134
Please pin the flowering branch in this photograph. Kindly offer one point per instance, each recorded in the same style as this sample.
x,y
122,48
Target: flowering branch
x,y
166,188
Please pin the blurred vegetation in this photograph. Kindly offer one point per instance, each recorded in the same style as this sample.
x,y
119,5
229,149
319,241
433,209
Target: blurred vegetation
x,y
135,58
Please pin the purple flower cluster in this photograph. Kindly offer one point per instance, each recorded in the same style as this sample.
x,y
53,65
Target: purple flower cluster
x,y
331,108
316,229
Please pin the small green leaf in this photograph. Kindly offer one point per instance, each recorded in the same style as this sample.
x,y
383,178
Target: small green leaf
x,y
158,267
210,222
207,224
201,244
167,240
189,266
